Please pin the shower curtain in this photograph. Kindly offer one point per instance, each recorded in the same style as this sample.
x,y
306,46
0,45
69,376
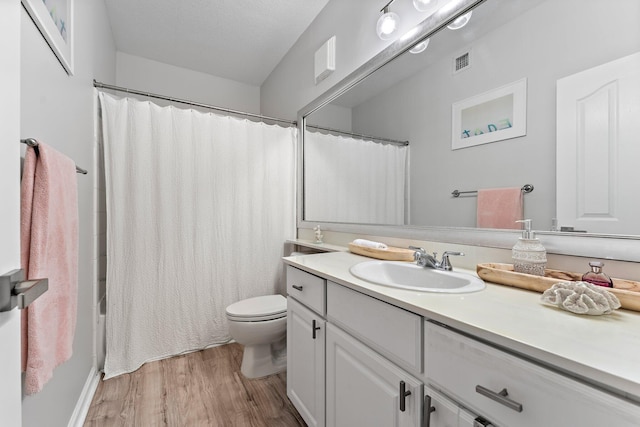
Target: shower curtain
x,y
198,208
353,180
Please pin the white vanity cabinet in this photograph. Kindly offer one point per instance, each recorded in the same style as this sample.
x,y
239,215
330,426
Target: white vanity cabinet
x,y
371,348
507,390
306,345
361,366
368,350
365,389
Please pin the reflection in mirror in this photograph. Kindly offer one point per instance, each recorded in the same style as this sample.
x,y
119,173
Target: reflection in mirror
x,y
413,99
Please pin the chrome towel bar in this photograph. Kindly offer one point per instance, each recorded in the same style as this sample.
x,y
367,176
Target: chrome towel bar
x,y
31,142
527,188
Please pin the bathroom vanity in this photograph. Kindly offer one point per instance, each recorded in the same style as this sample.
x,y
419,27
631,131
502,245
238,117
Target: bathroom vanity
x,y
364,354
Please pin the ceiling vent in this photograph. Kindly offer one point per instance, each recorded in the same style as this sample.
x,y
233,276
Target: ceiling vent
x,y
462,62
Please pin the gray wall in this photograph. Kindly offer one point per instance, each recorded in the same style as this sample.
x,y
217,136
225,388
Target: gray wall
x,y
59,109
291,85
544,44
164,79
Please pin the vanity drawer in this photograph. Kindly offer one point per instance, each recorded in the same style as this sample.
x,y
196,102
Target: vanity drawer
x,y
308,289
392,331
459,365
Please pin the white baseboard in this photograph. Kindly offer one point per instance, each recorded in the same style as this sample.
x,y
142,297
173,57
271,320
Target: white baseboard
x,y
84,402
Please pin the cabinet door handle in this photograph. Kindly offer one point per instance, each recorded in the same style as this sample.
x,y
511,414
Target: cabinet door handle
x,y
500,397
403,396
297,287
314,328
427,410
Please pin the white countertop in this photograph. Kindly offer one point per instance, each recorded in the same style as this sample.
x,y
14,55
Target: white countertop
x,y
602,350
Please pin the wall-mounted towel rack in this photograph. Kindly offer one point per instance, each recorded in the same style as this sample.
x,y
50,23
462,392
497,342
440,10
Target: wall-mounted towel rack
x,y
34,143
527,188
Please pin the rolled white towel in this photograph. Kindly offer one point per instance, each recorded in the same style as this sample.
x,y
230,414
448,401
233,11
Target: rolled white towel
x,y
369,244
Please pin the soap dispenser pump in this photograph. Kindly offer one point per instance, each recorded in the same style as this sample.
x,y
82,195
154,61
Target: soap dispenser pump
x,y
529,256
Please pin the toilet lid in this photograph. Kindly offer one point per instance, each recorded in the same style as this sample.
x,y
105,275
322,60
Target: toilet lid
x,y
259,308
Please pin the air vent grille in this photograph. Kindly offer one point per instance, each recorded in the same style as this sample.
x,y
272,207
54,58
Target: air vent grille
x,y
461,62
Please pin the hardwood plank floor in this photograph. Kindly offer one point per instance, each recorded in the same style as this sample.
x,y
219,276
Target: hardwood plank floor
x,y
204,388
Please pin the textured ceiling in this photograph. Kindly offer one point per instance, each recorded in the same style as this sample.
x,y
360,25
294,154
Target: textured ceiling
x,y
239,40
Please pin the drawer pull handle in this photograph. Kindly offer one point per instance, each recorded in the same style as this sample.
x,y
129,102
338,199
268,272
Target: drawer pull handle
x,y
500,398
314,328
403,396
428,409
297,287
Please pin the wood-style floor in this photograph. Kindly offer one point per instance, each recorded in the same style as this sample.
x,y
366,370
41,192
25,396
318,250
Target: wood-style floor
x,y
204,388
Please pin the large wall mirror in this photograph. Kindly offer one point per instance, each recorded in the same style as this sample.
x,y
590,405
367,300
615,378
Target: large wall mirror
x,y
393,148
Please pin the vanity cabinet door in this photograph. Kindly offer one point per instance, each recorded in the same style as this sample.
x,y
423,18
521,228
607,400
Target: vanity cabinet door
x,y
363,388
445,412
510,391
305,362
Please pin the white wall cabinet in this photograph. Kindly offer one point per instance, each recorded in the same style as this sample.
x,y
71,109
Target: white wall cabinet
x,y
365,389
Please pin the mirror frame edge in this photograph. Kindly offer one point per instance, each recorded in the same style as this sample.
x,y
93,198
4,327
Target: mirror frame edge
x,y
590,245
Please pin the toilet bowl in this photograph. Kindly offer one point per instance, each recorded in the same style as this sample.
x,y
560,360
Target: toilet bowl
x,y
260,324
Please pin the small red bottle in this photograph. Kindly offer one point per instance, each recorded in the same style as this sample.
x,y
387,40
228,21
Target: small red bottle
x,y
596,276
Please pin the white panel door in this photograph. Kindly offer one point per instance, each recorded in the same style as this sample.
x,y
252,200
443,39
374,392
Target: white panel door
x,y
10,388
597,148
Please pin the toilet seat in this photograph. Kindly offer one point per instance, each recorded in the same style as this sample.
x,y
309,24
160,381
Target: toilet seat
x,y
257,309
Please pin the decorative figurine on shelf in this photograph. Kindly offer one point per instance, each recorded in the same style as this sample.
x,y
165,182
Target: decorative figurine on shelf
x,y
318,232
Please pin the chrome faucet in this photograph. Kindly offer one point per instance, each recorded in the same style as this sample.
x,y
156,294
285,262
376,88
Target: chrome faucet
x,y
423,259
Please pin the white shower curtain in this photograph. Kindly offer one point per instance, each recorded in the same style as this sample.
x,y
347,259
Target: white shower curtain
x,y
353,180
198,208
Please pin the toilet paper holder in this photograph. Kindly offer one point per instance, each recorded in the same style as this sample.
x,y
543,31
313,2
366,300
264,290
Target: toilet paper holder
x,y
17,292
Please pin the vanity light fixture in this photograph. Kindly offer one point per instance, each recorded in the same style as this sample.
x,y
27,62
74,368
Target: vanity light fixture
x,y
425,5
460,21
420,47
388,23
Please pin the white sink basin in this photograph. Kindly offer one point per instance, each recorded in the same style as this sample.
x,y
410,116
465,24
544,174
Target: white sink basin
x,y
404,275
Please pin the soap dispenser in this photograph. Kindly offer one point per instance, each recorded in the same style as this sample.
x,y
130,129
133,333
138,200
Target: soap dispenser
x,y
529,256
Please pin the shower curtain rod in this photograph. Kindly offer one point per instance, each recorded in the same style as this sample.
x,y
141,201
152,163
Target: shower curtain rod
x,y
31,142
359,135
99,85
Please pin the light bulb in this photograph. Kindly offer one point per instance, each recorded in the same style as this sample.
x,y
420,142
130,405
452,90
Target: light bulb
x,y
460,21
424,5
387,25
420,47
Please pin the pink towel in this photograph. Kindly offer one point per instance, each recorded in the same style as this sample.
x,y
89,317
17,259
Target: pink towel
x,y
49,249
499,208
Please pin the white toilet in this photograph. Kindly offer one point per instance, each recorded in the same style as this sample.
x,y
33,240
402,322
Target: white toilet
x,y
260,324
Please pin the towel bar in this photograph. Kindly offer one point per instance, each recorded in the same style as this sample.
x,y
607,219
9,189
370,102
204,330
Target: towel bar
x,y
527,188
31,142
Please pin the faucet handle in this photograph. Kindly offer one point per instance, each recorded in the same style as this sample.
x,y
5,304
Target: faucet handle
x,y
419,252
445,264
